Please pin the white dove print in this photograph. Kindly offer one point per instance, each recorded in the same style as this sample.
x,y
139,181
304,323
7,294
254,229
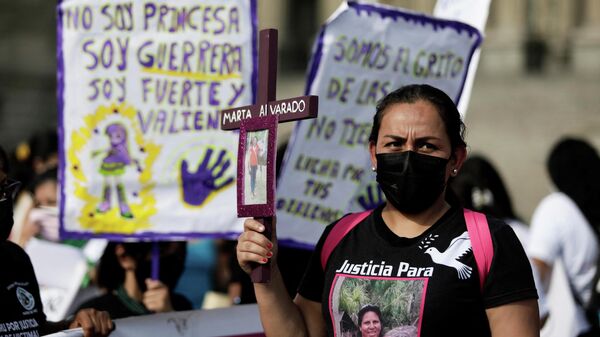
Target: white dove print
x,y
457,248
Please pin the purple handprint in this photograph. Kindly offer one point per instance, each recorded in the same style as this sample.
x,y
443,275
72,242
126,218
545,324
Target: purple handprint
x,y
197,186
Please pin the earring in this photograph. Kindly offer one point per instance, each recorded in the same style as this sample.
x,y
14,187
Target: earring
x,y
373,168
454,172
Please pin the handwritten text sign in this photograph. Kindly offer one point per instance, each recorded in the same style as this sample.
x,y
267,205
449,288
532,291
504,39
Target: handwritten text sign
x,y
363,52
141,86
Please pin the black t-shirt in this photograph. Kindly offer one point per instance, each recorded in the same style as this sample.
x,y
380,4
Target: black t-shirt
x,y
21,311
428,284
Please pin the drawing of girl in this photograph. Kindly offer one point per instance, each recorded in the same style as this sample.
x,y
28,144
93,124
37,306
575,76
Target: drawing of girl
x,y
113,167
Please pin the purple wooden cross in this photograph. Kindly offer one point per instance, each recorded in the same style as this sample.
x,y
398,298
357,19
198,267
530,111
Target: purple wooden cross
x,y
258,124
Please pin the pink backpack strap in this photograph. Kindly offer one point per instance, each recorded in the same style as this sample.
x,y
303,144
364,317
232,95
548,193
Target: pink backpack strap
x,y
481,241
340,229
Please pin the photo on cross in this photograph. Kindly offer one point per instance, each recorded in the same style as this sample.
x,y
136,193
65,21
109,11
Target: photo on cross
x,y
255,184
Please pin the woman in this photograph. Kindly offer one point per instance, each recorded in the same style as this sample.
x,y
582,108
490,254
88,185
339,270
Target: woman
x,y
564,227
21,312
416,145
42,220
369,321
124,273
479,187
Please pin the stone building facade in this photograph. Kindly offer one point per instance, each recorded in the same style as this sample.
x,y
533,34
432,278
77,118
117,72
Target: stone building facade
x,y
521,36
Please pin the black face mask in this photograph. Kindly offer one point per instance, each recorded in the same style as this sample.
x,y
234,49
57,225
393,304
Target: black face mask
x,y
411,181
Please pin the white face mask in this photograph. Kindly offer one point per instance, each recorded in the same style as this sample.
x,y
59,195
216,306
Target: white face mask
x,y
46,218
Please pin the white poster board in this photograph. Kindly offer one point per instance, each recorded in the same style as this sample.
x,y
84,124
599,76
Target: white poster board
x,y
474,13
78,332
236,321
59,270
141,85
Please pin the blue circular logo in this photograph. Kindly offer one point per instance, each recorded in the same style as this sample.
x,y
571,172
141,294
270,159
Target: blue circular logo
x,y
25,298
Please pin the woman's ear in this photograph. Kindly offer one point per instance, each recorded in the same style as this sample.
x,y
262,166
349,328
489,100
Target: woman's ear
x,y
373,152
457,160
126,261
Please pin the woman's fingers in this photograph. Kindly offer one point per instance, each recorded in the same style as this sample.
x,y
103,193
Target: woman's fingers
x,y
253,225
253,246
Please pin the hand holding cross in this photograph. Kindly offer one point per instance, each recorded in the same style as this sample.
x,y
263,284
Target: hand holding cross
x,y
265,115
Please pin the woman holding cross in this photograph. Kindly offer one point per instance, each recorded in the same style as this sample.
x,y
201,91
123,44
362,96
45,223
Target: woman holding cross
x,y
411,256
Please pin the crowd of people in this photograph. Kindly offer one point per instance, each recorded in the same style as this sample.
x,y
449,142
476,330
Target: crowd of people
x,y
419,155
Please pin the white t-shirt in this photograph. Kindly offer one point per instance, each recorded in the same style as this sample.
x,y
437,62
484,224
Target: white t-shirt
x,y
522,232
559,231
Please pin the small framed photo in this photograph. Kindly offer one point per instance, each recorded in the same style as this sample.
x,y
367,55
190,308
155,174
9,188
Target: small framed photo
x,y
256,167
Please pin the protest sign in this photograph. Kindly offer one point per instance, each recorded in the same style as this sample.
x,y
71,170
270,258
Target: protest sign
x,y
236,321
77,332
363,52
140,87
59,270
474,13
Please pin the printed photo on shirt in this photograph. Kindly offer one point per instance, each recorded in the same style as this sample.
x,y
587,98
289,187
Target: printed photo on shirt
x,y
377,307
255,185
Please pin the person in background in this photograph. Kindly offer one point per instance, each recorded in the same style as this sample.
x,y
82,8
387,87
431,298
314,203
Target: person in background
x,y
42,219
565,225
21,307
479,187
35,156
32,159
124,275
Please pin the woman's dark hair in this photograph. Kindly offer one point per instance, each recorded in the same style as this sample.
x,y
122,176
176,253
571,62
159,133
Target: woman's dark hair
x,y
479,187
44,144
369,308
48,175
455,128
4,166
574,167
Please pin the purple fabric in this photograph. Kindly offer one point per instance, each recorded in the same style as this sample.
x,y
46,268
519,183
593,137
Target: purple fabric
x,y
118,154
146,236
60,87
254,79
